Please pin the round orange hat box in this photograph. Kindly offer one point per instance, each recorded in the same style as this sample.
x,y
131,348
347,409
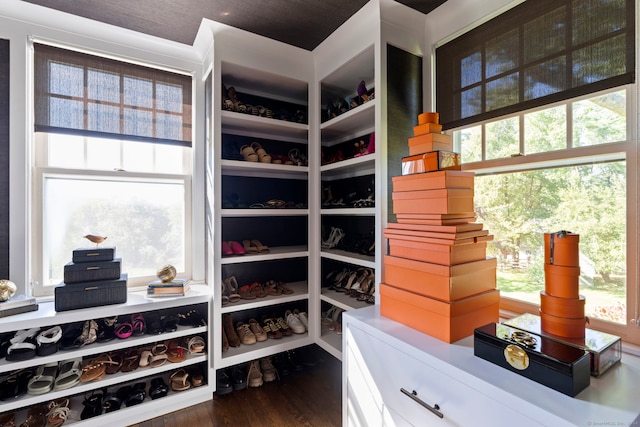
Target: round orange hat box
x,y
425,118
562,326
562,282
561,248
572,308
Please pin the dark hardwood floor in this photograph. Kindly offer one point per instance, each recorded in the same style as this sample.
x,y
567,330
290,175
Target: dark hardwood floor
x,y
311,397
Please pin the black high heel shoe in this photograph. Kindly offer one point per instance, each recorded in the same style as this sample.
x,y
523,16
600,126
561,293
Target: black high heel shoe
x,y
111,402
158,388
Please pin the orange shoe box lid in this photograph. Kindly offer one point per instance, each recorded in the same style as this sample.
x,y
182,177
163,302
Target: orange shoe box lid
x,y
428,117
420,249
445,283
443,201
447,321
463,235
430,142
430,162
433,181
436,219
421,129
437,228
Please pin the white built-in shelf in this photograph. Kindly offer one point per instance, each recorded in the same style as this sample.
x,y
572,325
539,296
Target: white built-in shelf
x,y
247,353
275,252
331,342
262,212
349,211
354,123
257,169
238,123
357,166
349,257
341,299
300,292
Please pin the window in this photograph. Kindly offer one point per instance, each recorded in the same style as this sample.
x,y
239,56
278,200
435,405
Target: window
x,y
112,157
553,155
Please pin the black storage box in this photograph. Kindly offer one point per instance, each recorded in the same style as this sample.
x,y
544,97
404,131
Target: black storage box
x,y
88,271
93,254
551,363
92,294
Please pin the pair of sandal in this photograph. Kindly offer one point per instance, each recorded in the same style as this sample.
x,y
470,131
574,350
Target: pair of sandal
x,y
136,326
230,290
154,357
255,153
15,385
254,246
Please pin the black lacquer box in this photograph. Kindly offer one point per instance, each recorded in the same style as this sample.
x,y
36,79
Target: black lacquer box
x,y
551,363
89,271
91,294
93,254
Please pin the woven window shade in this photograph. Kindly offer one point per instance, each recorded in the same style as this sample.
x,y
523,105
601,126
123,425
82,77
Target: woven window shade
x,y
539,52
82,94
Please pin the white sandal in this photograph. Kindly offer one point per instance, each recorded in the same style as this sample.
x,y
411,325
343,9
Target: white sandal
x,y
22,345
47,341
44,379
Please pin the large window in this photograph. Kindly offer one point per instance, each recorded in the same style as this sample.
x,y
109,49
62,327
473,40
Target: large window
x,y
113,158
549,133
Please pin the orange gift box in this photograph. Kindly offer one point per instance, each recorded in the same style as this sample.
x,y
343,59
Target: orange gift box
x,y
430,142
433,181
445,283
447,321
561,248
437,251
562,282
443,201
436,219
563,326
449,229
427,128
430,117
562,307
438,235
430,162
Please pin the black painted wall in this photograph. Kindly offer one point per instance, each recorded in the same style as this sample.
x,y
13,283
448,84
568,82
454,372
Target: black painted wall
x,y
404,103
4,159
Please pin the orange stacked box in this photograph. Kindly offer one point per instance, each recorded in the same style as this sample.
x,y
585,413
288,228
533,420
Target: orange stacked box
x,y
561,305
437,277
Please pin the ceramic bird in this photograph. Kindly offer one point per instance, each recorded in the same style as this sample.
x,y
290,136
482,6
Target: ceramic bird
x,y
95,239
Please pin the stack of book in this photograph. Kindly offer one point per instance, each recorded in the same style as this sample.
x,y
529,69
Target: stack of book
x,y
172,288
17,304
437,277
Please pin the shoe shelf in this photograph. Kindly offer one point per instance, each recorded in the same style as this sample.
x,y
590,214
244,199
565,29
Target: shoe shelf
x,y
300,292
354,122
363,165
108,381
246,353
275,252
137,301
349,257
238,123
341,299
349,211
262,212
330,341
244,168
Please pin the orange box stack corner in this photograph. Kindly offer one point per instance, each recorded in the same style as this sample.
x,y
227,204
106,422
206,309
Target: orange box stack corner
x,y
562,308
437,277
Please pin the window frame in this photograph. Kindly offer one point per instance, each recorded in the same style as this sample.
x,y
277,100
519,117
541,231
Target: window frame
x,y
629,332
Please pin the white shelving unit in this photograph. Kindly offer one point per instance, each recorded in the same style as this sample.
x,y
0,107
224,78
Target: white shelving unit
x,y
137,302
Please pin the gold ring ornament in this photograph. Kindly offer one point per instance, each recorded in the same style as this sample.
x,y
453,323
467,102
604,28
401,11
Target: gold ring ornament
x,y
7,289
516,357
524,338
167,273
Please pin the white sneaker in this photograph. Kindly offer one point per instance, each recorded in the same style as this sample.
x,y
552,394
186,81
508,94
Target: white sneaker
x,y
303,318
294,323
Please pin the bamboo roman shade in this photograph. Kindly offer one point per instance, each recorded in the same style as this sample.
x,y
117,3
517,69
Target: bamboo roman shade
x,y
539,52
82,94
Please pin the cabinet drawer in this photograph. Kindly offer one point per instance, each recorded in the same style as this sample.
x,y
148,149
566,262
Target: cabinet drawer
x,y
377,371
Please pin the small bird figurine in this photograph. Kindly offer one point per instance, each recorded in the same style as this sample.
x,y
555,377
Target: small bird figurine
x,y
95,239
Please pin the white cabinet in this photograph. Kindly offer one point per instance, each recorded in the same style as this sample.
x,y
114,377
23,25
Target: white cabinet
x,y
198,299
383,357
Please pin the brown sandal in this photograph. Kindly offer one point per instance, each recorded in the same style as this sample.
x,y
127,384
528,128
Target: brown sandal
x,y
195,345
180,380
96,369
248,153
261,153
130,361
175,351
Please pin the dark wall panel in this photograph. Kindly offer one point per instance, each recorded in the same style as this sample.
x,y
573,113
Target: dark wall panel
x,y
4,159
404,103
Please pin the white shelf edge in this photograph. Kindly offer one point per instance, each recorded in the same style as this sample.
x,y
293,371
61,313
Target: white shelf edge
x,y
241,165
331,342
349,257
349,211
349,163
277,252
348,116
342,300
261,212
247,353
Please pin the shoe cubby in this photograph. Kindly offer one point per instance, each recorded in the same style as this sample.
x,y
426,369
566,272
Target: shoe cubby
x,y
83,366
349,193
348,286
349,238
242,192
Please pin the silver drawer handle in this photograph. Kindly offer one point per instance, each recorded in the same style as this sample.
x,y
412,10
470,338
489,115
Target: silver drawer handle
x,y
435,408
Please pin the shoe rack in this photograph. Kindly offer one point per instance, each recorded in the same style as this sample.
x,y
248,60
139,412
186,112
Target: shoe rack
x,y
260,187
46,316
